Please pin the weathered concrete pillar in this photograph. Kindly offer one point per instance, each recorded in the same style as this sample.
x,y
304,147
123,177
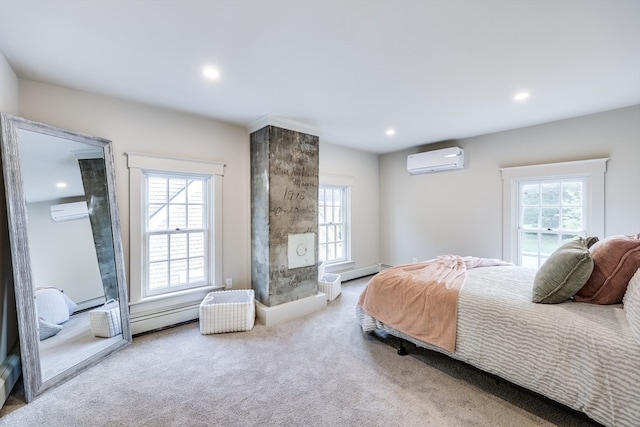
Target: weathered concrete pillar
x,y
94,180
284,215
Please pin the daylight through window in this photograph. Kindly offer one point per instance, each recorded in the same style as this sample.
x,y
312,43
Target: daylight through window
x,y
546,205
551,212
332,223
177,233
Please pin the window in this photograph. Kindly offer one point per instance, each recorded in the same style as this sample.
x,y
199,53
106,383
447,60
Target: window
x,y
176,226
176,246
546,205
333,203
550,212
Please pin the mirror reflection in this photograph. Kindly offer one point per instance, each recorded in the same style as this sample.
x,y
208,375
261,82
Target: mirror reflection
x,y
64,186
66,250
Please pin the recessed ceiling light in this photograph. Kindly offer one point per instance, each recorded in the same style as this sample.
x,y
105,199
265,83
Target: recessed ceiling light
x,y
390,132
211,73
521,96
61,185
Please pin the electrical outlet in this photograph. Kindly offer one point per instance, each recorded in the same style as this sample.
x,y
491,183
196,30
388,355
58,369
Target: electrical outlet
x,y
229,283
415,260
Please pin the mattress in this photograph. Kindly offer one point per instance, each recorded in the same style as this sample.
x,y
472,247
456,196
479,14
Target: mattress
x,y
581,355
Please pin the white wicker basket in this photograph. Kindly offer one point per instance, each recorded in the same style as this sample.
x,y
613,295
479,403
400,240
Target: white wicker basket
x,y
330,284
105,320
227,311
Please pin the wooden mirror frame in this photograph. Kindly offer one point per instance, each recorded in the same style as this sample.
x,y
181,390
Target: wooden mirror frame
x,y
20,253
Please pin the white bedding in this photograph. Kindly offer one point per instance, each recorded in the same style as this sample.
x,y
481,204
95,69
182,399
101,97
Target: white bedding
x,y
581,355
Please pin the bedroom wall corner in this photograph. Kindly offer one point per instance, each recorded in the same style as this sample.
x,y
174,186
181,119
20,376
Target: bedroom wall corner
x,y
8,88
10,367
358,169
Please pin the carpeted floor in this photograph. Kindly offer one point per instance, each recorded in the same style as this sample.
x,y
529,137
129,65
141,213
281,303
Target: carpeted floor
x,y
319,370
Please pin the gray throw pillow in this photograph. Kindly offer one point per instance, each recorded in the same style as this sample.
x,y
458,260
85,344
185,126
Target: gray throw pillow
x,y
564,273
47,330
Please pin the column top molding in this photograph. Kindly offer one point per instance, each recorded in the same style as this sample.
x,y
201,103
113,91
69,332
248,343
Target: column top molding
x,y
283,123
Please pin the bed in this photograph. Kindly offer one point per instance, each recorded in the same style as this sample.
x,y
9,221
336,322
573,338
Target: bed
x,y
583,355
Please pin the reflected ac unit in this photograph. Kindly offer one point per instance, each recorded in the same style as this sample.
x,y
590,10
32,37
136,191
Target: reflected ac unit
x,y
436,160
69,211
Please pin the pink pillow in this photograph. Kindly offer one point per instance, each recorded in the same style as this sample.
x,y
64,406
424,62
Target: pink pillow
x,y
615,261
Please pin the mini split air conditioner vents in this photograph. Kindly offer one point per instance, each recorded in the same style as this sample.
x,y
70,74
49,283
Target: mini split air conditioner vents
x,y
69,211
436,160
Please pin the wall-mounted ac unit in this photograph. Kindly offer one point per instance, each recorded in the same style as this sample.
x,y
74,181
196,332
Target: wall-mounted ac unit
x,y
69,211
436,160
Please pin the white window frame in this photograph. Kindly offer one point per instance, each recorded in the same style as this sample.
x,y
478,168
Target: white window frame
x,y
344,204
347,183
559,232
205,230
138,165
592,171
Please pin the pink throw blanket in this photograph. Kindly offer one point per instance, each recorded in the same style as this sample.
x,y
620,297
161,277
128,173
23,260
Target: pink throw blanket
x,y
421,300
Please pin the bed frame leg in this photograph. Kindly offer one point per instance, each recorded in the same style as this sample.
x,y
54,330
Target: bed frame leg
x,y
402,350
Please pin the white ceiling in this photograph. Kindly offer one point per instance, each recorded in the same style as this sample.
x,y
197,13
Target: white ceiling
x,y
432,70
48,160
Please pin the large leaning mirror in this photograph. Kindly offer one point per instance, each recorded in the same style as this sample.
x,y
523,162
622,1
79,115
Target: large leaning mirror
x,y
66,250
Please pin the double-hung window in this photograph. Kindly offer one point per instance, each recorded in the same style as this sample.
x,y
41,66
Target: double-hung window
x,y
547,205
550,213
177,232
176,226
333,223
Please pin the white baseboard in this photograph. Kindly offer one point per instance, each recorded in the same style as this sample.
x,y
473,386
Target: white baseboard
x,y
94,302
355,273
290,310
156,317
163,319
10,371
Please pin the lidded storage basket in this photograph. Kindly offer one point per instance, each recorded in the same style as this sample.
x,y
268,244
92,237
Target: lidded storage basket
x,y
227,311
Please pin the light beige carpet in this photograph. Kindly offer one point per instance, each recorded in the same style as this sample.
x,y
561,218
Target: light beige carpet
x,y
319,370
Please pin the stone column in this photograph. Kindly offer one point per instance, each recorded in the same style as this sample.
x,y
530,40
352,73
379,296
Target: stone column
x,y
284,215
95,189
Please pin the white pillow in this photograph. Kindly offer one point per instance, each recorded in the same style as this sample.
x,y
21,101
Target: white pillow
x,y
53,306
631,305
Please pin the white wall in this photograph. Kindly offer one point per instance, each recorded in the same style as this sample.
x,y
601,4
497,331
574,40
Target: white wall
x,y
8,88
460,212
63,255
359,170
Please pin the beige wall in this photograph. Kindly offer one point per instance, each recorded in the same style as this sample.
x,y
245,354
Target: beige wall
x,y
460,212
54,246
359,170
8,88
